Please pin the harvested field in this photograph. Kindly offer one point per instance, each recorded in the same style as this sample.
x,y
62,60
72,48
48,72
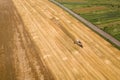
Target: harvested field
x,y
37,43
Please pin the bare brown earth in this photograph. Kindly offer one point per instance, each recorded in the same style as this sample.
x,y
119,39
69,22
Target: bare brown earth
x,y
36,43
89,9
70,0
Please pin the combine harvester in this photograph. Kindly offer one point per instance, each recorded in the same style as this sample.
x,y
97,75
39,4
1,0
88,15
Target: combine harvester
x,y
78,43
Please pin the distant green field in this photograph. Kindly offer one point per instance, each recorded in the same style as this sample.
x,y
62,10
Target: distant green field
x,y
103,13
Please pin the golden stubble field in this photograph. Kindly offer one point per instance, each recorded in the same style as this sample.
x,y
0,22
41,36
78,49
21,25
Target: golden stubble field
x,y
41,45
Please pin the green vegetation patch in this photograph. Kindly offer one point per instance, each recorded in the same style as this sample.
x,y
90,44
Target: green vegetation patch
x,y
102,17
113,30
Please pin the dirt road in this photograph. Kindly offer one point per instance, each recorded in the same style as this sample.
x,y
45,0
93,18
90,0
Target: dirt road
x,y
36,43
